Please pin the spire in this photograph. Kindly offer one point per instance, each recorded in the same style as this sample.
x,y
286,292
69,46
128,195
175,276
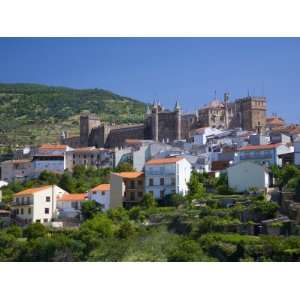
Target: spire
x,y
148,110
177,106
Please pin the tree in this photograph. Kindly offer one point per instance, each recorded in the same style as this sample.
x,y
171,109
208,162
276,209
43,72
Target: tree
x,y
34,231
148,201
67,182
90,209
187,250
124,167
49,177
196,189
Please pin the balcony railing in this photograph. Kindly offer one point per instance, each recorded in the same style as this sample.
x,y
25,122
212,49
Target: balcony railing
x,y
22,203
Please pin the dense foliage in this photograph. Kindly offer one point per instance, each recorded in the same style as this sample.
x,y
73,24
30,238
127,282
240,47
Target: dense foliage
x,y
31,113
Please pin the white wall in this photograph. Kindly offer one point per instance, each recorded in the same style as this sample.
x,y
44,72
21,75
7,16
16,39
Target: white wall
x,y
101,197
245,175
297,153
176,176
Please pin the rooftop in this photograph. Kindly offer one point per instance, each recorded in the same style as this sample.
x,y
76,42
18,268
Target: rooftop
x,y
32,191
164,161
259,147
73,197
101,187
53,147
129,175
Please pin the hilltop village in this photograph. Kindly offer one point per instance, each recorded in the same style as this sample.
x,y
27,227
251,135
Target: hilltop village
x,y
228,160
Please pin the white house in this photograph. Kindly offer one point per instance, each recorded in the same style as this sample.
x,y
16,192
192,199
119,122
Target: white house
x,y
166,176
201,134
297,151
37,204
69,205
264,154
101,194
246,175
51,158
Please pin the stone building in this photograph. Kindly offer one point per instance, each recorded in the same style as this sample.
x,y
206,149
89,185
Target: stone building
x,y
163,125
159,125
247,113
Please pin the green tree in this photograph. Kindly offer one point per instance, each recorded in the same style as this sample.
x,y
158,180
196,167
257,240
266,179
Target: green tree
x,y
90,209
196,188
67,182
124,167
148,201
34,231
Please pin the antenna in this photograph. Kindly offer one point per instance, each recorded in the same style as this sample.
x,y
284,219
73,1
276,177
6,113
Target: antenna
x,y
215,94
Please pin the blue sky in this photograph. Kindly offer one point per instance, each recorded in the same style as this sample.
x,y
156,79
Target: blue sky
x,y
188,69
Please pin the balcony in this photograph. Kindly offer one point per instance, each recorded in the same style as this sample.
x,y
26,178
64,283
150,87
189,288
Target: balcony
x,y
22,203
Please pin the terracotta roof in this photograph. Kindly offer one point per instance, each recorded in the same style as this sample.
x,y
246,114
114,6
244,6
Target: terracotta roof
x,y
164,161
129,175
53,147
275,121
32,190
259,147
101,187
290,130
133,141
73,197
17,161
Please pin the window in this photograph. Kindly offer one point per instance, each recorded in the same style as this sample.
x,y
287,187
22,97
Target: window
x,y
28,200
132,184
38,221
22,211
17,211
74,205
17,200
46,210
48,199
132,196
140,194
140,182
162,194
162,181
151,181
29,210
173,181
45,220
102,193
94,193
73,155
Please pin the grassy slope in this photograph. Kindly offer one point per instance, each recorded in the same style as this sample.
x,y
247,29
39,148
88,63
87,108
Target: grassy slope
x,y
31,113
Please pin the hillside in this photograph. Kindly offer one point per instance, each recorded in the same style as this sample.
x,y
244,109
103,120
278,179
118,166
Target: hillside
x,y
32,113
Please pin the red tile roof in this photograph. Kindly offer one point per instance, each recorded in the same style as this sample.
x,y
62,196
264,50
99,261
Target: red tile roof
x,y
32,190
73,197
101,187
259,147
164,161
129,175
52,147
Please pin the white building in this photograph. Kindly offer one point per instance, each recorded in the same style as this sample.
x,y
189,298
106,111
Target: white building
x,y
297,151
69,205
50,158
166,176
246,175
37,204
202,134
90,156
101,194
264,154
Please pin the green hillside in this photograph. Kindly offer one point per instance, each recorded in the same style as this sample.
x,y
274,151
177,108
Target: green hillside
x,y
32,113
